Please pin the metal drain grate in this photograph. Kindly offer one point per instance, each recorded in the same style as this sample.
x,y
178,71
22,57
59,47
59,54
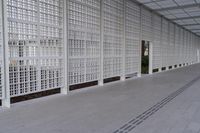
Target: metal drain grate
x,y
130,125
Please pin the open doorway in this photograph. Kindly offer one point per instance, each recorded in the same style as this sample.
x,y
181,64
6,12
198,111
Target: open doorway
x,y
145,57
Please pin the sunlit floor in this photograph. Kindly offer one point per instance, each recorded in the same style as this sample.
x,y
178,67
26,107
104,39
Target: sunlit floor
x,y
108,109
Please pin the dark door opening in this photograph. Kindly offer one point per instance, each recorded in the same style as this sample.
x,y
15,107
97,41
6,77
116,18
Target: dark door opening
x,y
145,57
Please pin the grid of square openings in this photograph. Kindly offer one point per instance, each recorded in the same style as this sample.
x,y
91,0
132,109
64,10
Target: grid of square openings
x,y
132,33
113,11
157,54
165,42
177,43
35,45
171,44
181,47
146,24
84,41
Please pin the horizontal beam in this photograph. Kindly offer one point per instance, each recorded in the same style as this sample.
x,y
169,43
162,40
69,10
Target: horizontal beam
x,y
190,25
151,2
193,30
178,7
183,18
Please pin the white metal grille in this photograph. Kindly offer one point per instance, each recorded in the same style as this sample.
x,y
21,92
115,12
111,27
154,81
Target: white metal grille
x,y
1,50
113,37
35,45
185,46
84,41
157,54
181,47
165,42
177,39
171,44
132,33
146,24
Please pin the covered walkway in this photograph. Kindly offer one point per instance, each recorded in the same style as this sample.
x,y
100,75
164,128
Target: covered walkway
x,y
167,102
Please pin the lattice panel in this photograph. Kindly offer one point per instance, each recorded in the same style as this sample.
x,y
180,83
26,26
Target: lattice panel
x,y
157,47
177,41
1,51
146,24
113,37
190,49
132,33
165,42
185,46
171,44
181,47
84,41
35,45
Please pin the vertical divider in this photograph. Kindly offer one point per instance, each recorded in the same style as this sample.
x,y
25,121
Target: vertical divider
x,y
151,48
2,90
101,82
168,46
140,44
174,52
65,88
161,45
6,92
124,43
39,61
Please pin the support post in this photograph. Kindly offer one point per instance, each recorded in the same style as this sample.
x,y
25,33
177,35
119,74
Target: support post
x,y
101,82
140,45
6,91
123,77
151,48
150,58
161,46
65,88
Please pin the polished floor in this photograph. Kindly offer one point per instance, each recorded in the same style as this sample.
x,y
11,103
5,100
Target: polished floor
x,y
108,109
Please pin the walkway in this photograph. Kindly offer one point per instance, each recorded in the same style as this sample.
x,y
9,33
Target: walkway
x,y
167,102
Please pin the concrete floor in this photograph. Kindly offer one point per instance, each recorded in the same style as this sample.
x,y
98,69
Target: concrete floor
x,y
106,109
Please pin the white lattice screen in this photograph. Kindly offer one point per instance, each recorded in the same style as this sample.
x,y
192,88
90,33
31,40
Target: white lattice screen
x,y
132,37
113,37
157,48
84,41
35,45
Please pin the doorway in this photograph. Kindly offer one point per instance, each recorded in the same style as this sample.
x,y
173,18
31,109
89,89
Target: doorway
x,y
145,57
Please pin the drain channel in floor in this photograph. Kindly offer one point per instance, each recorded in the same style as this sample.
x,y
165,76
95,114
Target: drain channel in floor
x,y
133,123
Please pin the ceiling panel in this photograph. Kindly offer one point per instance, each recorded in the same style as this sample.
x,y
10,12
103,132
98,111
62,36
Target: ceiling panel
x,y
183,12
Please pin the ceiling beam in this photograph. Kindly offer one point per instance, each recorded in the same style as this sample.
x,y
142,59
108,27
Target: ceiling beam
x,y
193,30
190,24
151,1
183,18
178,7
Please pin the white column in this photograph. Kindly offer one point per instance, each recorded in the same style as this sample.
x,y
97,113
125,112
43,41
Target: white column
x,y
198,56
151,58
140,43
124,44
65,88
151,48
161,47
6,91
100,82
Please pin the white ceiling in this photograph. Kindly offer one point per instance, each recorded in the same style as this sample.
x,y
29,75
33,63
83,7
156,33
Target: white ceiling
x,y
183,12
